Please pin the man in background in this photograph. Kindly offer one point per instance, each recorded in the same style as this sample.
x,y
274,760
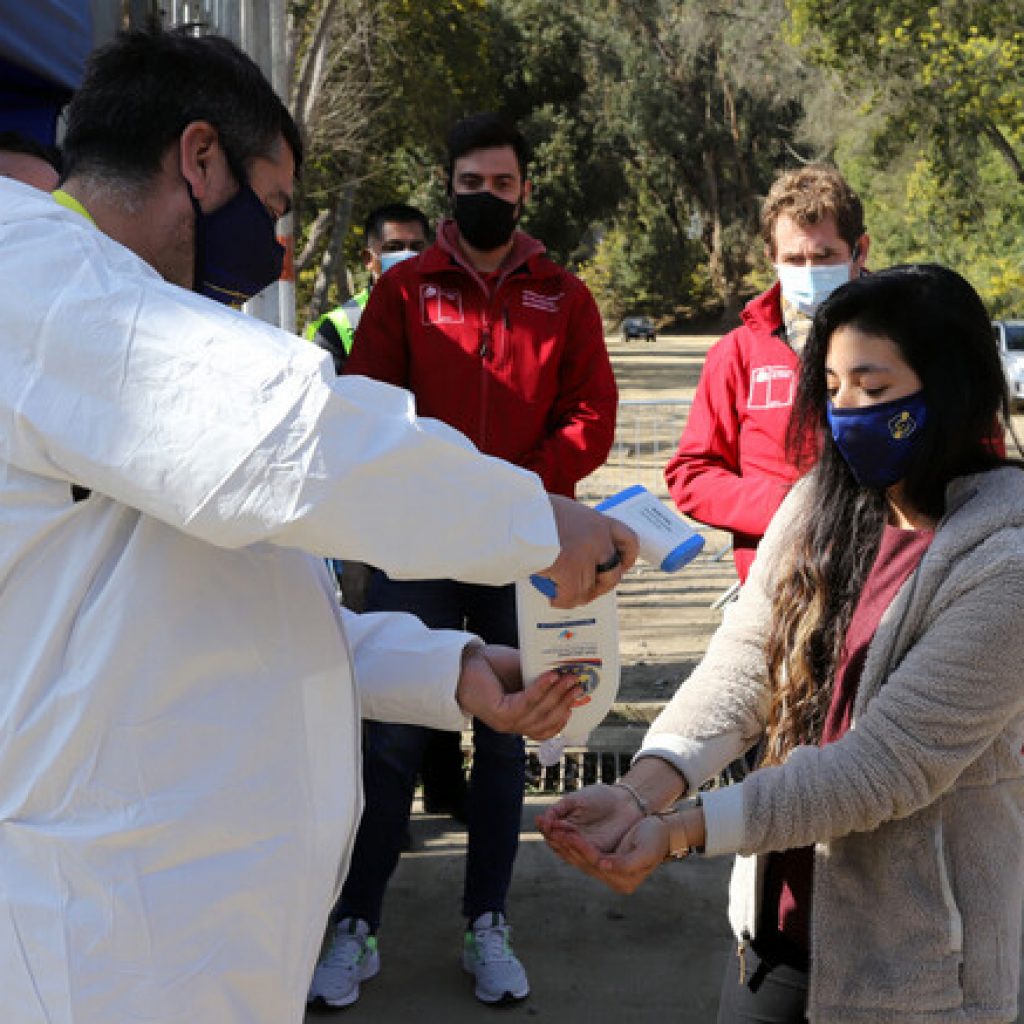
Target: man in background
x,y
731,470
493,338
392,233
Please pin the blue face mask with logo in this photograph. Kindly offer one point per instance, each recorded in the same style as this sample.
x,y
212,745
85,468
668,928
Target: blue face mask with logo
x,y
237,251
879,442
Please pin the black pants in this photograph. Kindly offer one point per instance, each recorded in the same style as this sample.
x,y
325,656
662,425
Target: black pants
x,y
772,992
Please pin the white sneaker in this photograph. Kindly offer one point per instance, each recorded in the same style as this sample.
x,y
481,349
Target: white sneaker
x,y
487,955
351,957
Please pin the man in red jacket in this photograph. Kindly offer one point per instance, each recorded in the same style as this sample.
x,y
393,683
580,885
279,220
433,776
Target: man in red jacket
x,y
730,470
507,347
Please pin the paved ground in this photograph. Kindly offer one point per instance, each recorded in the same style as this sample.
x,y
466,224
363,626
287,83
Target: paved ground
x,y
593,957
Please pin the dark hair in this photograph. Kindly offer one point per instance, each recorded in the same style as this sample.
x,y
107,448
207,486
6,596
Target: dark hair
x,y
19,142
809,195
943,332
485,131
393,213
141,91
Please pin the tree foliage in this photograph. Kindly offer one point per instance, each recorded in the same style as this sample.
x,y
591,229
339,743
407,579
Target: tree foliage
x,y
657,126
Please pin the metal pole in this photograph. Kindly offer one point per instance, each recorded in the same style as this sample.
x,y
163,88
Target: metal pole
x,y
262,36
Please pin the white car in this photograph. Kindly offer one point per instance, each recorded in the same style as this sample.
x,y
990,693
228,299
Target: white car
x,y
1009,336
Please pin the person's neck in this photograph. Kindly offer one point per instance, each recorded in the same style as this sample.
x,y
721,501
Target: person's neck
x,y
902,514
485,262
137,226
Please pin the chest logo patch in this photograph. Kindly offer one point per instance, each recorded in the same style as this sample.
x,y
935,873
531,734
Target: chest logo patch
x,y
440,305
771,387
545,303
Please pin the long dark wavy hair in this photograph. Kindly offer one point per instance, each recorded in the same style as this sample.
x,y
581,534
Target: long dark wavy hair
x,y
943,331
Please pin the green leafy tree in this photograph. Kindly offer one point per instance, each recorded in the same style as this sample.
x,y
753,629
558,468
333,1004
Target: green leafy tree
x,y
701,104
950,74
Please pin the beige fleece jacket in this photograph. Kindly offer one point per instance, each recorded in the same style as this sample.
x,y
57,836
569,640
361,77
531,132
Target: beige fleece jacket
x,y
917,814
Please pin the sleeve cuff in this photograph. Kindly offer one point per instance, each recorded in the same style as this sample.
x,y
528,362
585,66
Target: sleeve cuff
x,y
696,760
723,820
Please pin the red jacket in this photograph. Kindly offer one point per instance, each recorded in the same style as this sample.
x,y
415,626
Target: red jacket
x,y
518,364
730,470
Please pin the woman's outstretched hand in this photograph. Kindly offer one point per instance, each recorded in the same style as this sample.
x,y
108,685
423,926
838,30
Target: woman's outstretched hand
x,y
601,831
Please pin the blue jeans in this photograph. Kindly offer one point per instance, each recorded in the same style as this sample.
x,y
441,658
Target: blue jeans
x,y
392,755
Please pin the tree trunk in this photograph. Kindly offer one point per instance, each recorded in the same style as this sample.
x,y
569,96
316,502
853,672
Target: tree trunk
x,y
331,265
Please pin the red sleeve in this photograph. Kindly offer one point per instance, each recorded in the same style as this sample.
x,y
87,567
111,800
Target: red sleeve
x,y
704,476
380,349
581,423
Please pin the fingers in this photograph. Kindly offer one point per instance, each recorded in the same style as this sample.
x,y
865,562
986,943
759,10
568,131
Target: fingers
x,y
556,813
596,551
542,709
626,543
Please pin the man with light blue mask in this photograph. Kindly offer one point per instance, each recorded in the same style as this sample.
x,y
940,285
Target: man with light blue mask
x,y
393,233
730,470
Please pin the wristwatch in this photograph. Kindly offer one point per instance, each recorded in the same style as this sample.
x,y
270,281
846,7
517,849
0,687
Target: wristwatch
x,y
679,845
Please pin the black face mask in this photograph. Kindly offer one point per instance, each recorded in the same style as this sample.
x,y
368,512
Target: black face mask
x,y
485,220
237,251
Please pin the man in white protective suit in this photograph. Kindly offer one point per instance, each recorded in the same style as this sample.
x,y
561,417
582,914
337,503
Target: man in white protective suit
x,y
179,716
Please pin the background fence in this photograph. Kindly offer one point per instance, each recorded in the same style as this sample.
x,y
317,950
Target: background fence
x,y
646,434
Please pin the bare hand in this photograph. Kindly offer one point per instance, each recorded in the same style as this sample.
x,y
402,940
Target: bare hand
x,y
585,826
589,539
491,688
600,831
642,849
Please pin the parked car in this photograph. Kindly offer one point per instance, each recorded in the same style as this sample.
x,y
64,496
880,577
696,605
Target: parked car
x,y
638,327
1009,336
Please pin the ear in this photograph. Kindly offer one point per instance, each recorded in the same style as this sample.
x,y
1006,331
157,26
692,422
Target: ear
x,y
201,157
367,258
527,189
860,250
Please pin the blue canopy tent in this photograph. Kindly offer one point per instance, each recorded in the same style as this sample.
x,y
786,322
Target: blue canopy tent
x,y
43,46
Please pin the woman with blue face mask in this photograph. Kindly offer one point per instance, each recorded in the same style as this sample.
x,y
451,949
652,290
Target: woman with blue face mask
x,y
875,657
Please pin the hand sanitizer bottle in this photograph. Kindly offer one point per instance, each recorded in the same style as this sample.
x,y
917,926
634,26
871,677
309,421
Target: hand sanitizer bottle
x,y
586,640
583,640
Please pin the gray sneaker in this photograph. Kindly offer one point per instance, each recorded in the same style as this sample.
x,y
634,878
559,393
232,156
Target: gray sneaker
x,y
351,957
487,955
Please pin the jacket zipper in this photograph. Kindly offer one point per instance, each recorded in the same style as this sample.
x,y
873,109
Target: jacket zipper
x,y
741,954
486,351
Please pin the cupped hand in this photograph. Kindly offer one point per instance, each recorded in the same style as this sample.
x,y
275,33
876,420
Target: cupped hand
x,y
589,824
642,849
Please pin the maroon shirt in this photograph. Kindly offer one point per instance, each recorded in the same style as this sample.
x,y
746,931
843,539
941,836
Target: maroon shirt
x,y
790,874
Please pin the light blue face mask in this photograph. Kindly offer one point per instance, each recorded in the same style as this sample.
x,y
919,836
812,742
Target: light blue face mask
x,y
389,259
808,287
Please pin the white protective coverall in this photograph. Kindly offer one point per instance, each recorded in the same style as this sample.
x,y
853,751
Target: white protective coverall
x,y
179,727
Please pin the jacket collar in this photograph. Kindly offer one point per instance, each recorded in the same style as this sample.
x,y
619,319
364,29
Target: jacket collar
x,y
445,253
763,313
